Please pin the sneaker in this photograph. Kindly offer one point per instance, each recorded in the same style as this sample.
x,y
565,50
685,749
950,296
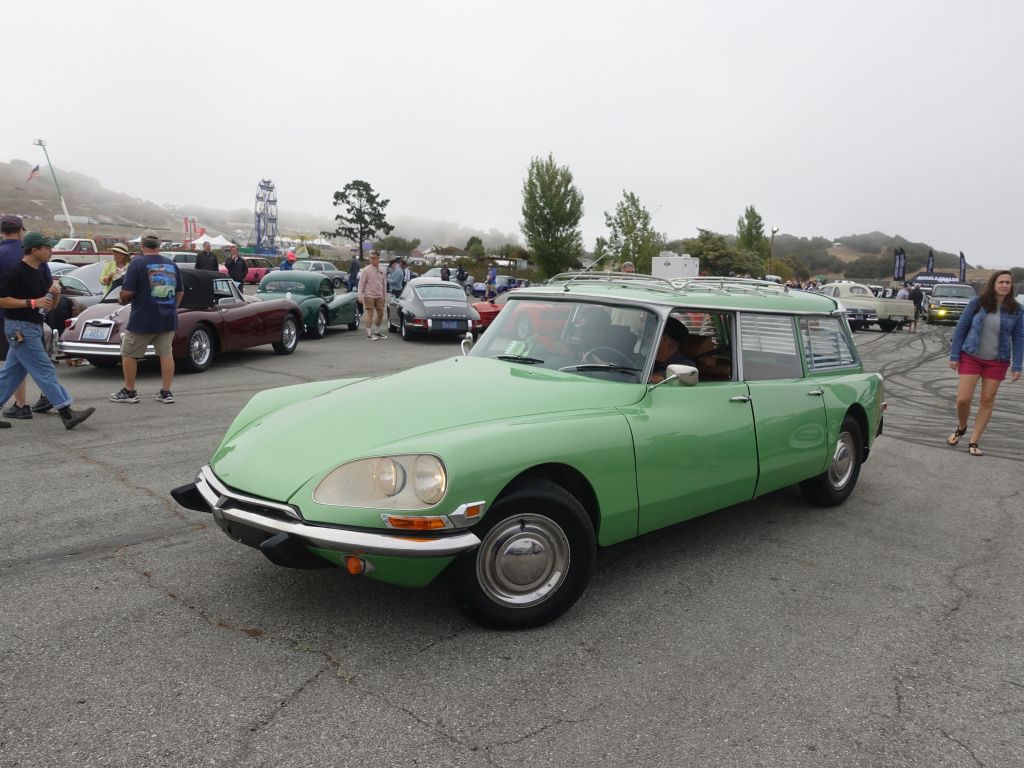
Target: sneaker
x,y
14,411
42,405
371,337
165,396
381,335
125,396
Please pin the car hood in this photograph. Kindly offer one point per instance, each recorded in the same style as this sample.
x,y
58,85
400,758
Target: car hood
x,y
375,416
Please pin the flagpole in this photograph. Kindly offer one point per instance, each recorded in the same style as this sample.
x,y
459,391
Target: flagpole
x,y
63,205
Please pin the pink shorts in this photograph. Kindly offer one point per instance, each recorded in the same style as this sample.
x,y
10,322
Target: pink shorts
x,y
987,369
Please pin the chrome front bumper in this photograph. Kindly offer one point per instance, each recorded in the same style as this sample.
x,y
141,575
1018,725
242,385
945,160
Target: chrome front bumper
x,y
229,505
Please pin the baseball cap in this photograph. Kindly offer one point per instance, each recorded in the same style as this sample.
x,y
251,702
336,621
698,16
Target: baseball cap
x,y
11,224
150,235
36,240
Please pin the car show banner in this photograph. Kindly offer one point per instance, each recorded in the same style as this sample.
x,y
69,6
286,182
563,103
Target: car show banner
x,y
899,264
963,268
930,265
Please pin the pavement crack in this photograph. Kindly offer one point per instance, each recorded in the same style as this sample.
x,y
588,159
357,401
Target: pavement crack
x,y
963,746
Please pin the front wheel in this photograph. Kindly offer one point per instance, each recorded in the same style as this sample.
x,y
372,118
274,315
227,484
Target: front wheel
x,y
536,557
354,325
888,326
836,483
289,336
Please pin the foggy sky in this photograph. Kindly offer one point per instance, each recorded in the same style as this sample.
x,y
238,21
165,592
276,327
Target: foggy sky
x,y
830,118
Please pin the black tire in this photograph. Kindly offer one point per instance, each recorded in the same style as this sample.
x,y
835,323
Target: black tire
x,y
319,329
200,349
856,326
536,557
392,328
103,362
836,483
289,336
336,282
354,325
406,335
888,326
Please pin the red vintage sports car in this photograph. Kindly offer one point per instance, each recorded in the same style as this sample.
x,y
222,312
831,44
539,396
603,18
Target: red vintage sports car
x,y
213,318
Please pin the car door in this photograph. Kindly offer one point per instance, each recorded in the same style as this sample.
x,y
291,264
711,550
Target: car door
x,y
695,448
242,323
788,407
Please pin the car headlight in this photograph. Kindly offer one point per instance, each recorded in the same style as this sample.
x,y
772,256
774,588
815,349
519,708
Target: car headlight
x,y
408,481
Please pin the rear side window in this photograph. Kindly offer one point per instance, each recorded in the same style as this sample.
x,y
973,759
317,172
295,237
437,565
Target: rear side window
x,y
825,345
768,348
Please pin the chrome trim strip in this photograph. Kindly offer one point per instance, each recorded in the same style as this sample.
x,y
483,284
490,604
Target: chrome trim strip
x,y
206,476
83,349
335,539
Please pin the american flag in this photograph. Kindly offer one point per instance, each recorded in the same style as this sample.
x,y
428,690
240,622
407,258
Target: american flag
x,y
33,174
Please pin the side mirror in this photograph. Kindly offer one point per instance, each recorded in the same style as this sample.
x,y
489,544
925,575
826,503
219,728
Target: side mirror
x,y
681,375
466,343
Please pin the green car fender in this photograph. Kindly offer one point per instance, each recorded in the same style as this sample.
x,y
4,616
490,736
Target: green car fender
x,y
559,446
858,394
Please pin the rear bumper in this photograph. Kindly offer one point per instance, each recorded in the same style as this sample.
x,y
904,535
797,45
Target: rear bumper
x,y
208,494
83,349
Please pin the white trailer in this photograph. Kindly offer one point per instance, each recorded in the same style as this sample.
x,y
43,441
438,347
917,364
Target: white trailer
x,y
670,266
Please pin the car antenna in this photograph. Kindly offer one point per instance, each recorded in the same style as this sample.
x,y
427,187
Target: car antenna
x,y
593,264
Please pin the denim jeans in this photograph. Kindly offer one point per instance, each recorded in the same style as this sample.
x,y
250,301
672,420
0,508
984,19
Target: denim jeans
x,y
29,357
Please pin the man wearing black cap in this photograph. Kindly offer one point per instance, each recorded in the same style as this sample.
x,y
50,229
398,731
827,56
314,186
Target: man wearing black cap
x,y
11,253
25,295
669,350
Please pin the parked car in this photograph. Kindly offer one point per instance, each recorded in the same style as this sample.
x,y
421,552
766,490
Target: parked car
x,y
429,307
258,268
863,308
320,306
337,277
90,275
181,258
948,301
58,268
213,318
590,452
488,310
435,272
75,289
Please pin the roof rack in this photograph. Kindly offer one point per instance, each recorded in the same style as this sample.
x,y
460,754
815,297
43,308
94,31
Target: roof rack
x,y
626,279
727,285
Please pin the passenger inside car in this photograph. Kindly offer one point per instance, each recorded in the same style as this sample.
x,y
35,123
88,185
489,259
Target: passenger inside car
x,y
669,350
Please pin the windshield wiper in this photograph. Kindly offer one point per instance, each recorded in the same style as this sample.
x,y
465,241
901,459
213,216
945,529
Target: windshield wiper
x,y
520,359
600,367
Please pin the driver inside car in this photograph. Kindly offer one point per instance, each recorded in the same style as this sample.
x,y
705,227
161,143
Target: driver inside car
x,y
670,350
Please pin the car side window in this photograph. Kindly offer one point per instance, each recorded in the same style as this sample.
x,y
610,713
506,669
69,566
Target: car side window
x,y
326,291
222,291
824,343
768,348
856,290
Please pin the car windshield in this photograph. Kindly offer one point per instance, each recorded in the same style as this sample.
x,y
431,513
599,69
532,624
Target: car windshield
x,y
589,339
282,286
447,292
65,244
953,291
303,266
90,275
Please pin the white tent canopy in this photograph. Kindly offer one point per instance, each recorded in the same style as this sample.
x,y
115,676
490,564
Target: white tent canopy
x,y
215,242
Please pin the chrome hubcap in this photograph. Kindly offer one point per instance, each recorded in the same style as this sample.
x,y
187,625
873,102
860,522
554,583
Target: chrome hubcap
x,y
523,560
289,333
200,347
841,468
321,323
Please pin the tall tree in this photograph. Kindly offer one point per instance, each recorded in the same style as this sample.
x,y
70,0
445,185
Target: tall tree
x,y
552,209
631,236
750,233
364,213
473,239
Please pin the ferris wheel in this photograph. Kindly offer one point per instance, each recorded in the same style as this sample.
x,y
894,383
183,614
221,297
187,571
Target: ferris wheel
x,y
266,215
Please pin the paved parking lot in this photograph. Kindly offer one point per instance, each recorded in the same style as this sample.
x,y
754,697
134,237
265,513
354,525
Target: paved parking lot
x,y
886,632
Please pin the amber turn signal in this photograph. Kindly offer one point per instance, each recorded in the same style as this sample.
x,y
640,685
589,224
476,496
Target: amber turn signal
x,y
355,565
417,523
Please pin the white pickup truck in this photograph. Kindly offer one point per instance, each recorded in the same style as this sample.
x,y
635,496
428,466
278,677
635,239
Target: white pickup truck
x,y
864,309
78,251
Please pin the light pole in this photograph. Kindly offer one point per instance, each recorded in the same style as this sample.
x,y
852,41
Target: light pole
x,y
64,207
771,249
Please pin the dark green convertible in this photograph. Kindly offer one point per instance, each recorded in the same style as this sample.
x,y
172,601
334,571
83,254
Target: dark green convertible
x,y
314,293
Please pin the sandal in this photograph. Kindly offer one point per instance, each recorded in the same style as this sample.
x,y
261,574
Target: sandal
x,y
974,449
955,437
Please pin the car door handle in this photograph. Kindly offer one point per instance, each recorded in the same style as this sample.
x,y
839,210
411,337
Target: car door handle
x,y
816,392
740,399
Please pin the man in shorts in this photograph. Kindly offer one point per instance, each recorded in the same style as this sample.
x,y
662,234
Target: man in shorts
x,y
152,285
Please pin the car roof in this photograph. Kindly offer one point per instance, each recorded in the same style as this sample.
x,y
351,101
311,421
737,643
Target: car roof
x,y
418,281
723,293
294,275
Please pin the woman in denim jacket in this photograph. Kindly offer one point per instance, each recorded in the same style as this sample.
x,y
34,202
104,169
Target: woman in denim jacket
x,y
987,341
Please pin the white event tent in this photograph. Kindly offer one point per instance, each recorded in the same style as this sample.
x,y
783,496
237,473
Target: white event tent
x,y
215,242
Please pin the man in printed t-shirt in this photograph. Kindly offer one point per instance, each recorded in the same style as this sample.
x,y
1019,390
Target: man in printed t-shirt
x,y
153,286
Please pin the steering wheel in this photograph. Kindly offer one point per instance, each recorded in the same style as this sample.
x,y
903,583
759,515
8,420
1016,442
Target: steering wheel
x,y
607,355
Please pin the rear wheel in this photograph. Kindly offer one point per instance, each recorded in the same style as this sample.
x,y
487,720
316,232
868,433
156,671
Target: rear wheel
x,y
336,283
199,350
836,483
887,325
535,559
289,336
354,325
406,336
319,329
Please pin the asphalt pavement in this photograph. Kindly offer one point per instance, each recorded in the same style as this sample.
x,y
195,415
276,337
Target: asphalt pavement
x,y
885,632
